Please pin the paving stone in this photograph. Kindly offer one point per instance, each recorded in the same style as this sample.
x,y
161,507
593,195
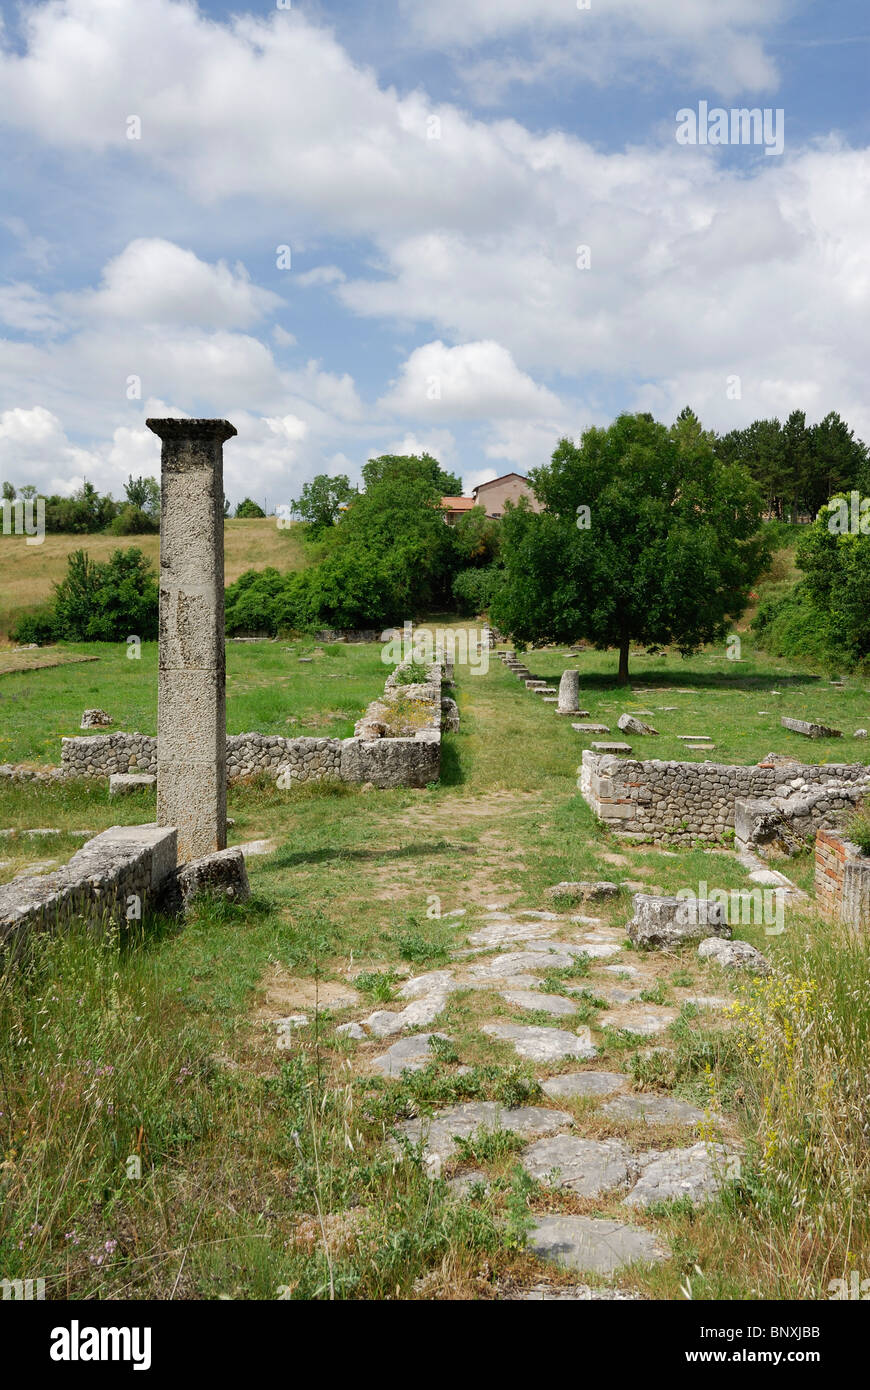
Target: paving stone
x,y
539,916
408,1054
630,970
438,1132
569,1293
583,891
583,1083
591,728
523,962
543,1044
433,982
500,933
554,1004
653,1110
351,1030
614,994
463,1184
697,1173
644,1022
420,1012
694,738
588,1167
617,749
593,1244
734,955
255,847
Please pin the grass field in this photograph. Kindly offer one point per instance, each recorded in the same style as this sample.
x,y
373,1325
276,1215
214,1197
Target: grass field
x,y
269,690
27,572
265,1174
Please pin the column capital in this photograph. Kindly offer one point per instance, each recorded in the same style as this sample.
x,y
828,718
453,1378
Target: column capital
x,y
172,429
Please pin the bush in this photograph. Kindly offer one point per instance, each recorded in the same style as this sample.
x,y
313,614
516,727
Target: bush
x,y
98,602
40,628
858,829
133,521
248,509
475,589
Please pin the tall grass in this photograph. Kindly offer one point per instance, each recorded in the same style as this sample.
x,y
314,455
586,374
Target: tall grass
x,y
805,1041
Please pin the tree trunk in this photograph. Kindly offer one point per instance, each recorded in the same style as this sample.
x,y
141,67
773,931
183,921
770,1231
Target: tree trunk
x,y
622,678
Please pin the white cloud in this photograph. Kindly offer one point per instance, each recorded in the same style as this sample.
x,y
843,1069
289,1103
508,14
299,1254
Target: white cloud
x,y
154,281
723,45
474,381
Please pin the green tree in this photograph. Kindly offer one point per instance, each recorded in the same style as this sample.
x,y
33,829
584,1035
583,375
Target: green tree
x,y
321,500
666,553
144,493
8,492
249,509
380,469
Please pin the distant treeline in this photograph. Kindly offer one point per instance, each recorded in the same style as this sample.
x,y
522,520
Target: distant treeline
x,y
799,467
88,511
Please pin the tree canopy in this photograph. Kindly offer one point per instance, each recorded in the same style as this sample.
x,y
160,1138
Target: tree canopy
x,y
645,535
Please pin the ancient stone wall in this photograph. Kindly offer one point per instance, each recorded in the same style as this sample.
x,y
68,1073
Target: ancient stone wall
x,y
682,802
397,742
95,886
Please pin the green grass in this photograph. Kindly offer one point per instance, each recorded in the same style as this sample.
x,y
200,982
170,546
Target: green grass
x,y
268,691
266,1171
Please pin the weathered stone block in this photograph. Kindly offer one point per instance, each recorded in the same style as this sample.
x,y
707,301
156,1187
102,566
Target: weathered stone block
x,y
668,923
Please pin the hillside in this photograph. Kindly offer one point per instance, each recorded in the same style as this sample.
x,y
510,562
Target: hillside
x,y
27,572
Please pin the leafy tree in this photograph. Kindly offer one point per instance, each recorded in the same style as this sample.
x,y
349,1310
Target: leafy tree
x,y
8,492
248,509
144,494
379,469
322,499
476,537
670,552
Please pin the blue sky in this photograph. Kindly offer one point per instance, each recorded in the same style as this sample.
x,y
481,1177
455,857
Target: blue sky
x,y
434,169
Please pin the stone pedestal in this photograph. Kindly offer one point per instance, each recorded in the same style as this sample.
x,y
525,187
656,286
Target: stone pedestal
x,y
569,693
191,713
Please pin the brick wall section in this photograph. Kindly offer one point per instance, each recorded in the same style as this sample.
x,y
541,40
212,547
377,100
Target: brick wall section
x,y
842,881
681,802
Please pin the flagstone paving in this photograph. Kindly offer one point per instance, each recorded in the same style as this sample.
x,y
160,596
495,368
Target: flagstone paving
x,y
631,1166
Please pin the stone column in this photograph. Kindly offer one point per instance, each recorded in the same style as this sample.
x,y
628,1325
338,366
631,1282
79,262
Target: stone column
x,y
191,706
569,693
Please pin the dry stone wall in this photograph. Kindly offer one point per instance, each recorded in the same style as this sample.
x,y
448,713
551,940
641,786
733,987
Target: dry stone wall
x,y
397,742
95,886
673,802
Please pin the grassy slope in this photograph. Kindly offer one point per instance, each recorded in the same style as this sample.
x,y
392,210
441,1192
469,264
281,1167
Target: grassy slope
x,y
244,1149
27,572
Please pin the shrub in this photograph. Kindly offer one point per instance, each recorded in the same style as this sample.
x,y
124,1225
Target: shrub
x,y
475,589
98,602
133,521
248,509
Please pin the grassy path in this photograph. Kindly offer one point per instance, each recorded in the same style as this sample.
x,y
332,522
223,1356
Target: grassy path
x,y
263,1147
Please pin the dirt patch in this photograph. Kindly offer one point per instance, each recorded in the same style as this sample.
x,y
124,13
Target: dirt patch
x,y
285,994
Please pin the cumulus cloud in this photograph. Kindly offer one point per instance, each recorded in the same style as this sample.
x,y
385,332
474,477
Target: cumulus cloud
x,y
473,381
154,281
